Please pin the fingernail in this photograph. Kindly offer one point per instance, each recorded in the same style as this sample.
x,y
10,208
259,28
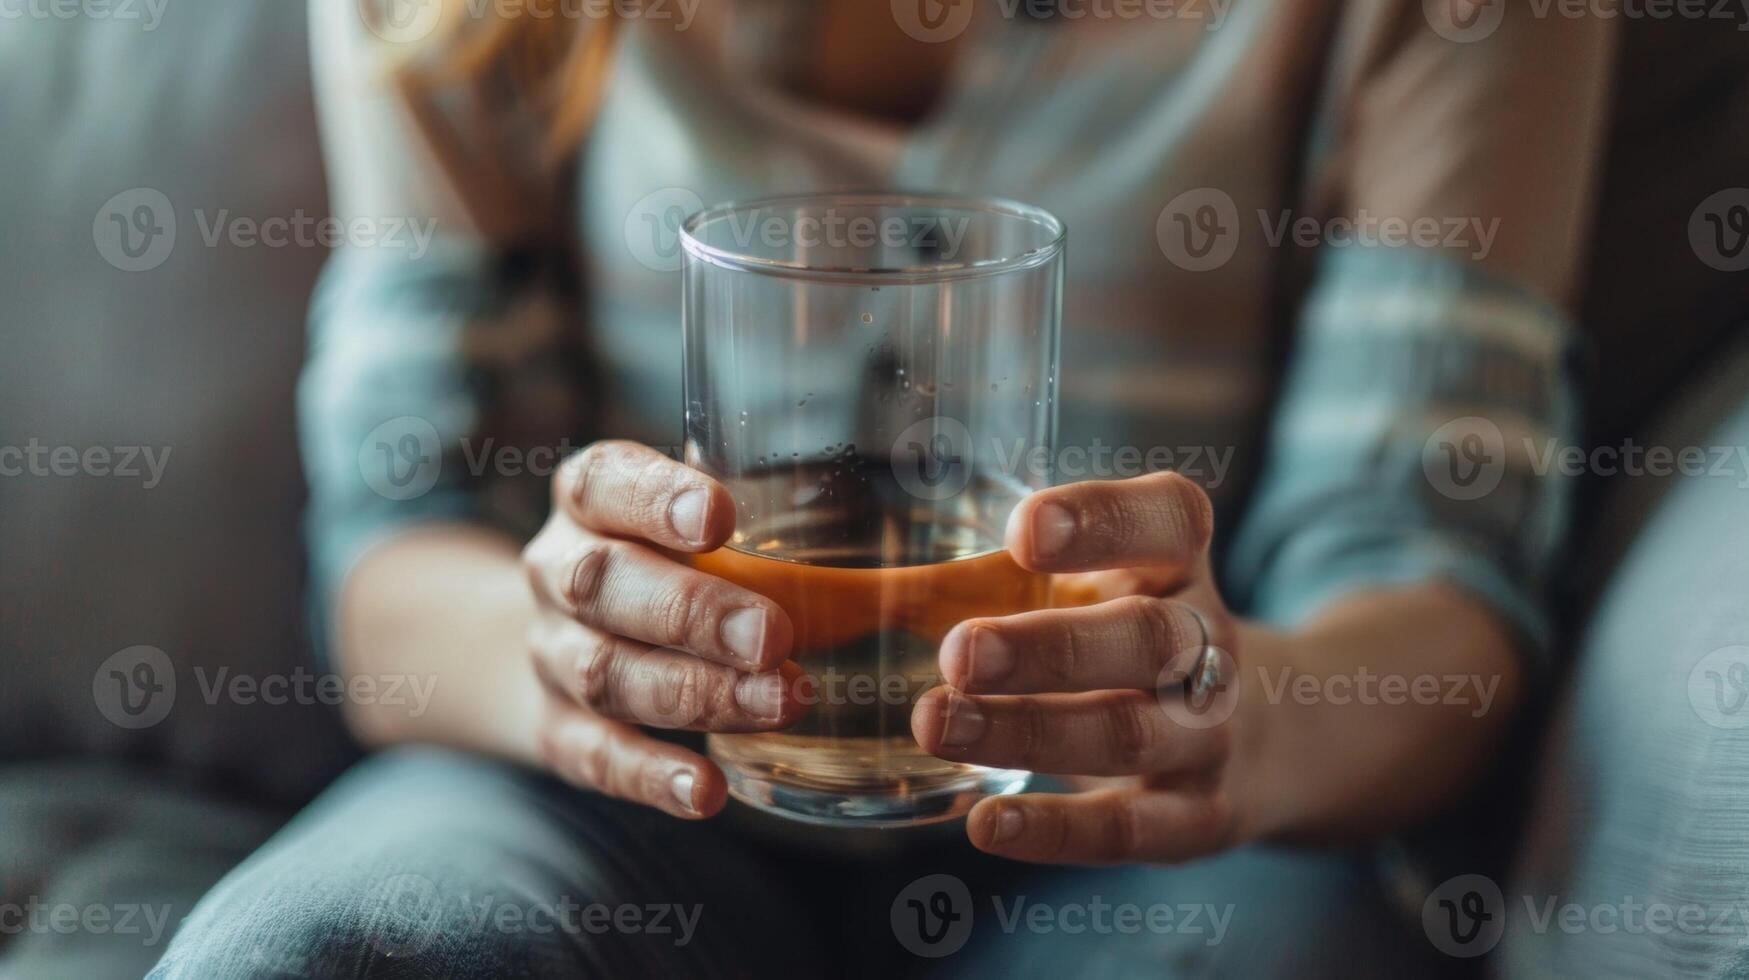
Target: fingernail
x,y
682,787
761,695
1009,823
743,632
1052,529
992,658
687,513
965,723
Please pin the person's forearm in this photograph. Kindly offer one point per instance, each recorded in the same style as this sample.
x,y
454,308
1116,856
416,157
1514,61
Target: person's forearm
x,y
446,606
1384,708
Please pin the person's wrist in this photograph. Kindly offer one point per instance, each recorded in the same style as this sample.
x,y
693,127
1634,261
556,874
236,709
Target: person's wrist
x,y
1263,793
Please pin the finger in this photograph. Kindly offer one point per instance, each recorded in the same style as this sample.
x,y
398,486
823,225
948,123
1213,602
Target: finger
x,y
630,590
620,678
629,489
616,759
1124,643
1161,519
1103,827
1105,733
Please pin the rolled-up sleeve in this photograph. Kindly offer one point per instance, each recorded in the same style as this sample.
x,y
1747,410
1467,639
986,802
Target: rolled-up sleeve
x,y
440,388
445,374
1431,387
1412,443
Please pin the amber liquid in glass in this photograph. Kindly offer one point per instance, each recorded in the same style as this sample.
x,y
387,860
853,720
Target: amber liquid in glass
x,y
872,579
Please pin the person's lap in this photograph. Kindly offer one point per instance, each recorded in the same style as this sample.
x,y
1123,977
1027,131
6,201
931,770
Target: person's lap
x,y
1247,913
432,864
424,863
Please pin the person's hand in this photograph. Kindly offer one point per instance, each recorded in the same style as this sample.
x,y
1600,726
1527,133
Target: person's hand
x,y
628,636
1127,688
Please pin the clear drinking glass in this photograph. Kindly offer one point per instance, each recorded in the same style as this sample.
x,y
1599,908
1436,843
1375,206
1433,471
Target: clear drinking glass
x,y
873,377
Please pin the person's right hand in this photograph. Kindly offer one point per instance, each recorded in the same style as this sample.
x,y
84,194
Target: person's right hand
x,y
627,636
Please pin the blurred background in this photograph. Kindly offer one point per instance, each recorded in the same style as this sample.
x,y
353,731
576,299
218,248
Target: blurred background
x,y
151,495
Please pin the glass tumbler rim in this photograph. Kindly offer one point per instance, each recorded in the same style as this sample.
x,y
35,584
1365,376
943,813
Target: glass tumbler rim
x,y
741,260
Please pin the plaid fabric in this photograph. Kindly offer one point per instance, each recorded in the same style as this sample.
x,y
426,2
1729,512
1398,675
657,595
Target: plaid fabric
x,y
1411,442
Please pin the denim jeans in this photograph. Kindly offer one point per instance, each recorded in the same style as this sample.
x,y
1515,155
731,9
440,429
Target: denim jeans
x,y
426,863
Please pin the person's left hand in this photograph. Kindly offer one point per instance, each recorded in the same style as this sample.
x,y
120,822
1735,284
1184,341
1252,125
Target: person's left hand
x,y
1127,688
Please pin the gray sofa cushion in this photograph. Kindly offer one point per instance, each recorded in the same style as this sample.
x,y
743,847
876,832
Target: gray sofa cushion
x,y
117,845
1641,799
187,348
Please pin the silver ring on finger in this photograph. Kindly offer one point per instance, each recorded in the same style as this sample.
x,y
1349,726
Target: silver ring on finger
x,y
1203,681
